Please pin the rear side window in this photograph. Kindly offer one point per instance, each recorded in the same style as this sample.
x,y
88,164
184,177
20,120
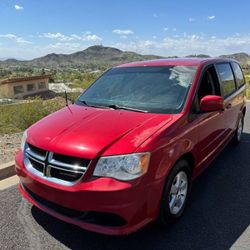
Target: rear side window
x,y
238,74
226,78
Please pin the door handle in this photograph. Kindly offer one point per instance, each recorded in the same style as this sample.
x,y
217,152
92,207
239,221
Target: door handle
x,y
229,105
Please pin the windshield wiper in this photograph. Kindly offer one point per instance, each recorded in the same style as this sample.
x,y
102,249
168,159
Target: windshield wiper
x,y
112,106
83,102
115,106
92,105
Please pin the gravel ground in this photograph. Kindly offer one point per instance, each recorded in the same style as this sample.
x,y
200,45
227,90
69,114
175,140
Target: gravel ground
x,y
9,144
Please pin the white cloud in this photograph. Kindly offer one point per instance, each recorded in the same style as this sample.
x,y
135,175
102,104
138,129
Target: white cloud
x,y
123,32
33,51
73,37
189,44
191,19
93,38
211,17
57,36
22,40
171,45
9,36
18,7
174,29
63,47
15,38
165,29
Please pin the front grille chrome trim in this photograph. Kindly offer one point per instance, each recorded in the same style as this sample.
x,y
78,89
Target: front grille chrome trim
x,y
34,159
49,164
67,170
67,166
35,155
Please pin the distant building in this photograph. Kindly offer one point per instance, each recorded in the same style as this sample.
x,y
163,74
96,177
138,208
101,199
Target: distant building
x,y
23,86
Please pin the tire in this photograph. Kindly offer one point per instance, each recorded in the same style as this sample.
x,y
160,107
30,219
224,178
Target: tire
x,y
239,131
169,213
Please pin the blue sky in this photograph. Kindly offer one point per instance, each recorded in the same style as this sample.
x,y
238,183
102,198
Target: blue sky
x,y
32,28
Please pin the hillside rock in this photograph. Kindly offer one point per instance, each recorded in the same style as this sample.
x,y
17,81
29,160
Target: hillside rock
x,y
242,57
99,56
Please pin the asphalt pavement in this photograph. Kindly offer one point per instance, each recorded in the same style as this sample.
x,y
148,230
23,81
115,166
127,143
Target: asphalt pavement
x,y
217,217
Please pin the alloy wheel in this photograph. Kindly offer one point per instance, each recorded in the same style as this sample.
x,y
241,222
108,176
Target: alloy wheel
x,y
178,192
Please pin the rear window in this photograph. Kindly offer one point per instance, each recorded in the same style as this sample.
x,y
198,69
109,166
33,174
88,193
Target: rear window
x,y
226,78
238,74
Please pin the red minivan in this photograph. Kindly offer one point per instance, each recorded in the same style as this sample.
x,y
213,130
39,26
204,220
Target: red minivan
x,y
125,153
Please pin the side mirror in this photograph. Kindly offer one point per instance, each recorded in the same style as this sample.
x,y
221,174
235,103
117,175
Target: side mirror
x,y
211,103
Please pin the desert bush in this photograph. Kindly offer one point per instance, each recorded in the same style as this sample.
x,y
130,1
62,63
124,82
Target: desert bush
x,y
248,93
247,77
72,96
85,80
18,117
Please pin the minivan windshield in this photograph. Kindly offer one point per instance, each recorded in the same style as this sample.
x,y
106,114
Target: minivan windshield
x,y
154,89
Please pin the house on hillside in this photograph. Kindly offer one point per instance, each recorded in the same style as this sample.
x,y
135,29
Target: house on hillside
x,y
18,88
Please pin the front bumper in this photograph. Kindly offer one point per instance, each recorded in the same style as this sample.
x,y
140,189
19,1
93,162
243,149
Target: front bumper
x,y
135,203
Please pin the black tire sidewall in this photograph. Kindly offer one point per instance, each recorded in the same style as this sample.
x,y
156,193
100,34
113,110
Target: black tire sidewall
x,y
236,140
165,216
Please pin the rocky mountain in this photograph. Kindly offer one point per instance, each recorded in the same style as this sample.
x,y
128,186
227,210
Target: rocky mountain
x,y
198,55
97,56
243,58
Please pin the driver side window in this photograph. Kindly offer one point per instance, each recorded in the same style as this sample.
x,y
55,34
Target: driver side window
x,y
206,86
209,85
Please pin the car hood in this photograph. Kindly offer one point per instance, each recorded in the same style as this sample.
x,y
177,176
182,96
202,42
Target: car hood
x,y
89,132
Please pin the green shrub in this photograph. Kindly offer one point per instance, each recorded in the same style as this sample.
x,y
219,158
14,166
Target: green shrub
x,y
72,96
247,77
84,80
248,92
17,117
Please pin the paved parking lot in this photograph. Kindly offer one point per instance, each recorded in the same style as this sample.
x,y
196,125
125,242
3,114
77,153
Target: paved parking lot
x,y
218,216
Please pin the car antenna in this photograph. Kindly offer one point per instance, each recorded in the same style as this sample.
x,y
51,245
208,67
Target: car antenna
x,y
66,98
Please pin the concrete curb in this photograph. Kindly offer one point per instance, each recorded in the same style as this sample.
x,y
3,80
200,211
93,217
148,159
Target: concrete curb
x,y
7,170
9,182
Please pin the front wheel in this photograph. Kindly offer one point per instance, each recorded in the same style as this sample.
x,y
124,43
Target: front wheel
x,y
176,193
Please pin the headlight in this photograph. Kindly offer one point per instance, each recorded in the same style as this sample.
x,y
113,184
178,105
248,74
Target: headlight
x,y
24,138
123,167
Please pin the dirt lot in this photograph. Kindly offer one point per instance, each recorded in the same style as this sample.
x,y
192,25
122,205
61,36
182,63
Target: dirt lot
x,y
9,144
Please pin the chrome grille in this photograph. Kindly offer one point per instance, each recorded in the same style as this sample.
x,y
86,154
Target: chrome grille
x,y
57,168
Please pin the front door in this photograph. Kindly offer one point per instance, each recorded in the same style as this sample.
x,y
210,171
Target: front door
x,y
211,126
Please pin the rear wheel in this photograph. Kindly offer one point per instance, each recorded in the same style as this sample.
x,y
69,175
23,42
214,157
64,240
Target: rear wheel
x,y
239,131
176,193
